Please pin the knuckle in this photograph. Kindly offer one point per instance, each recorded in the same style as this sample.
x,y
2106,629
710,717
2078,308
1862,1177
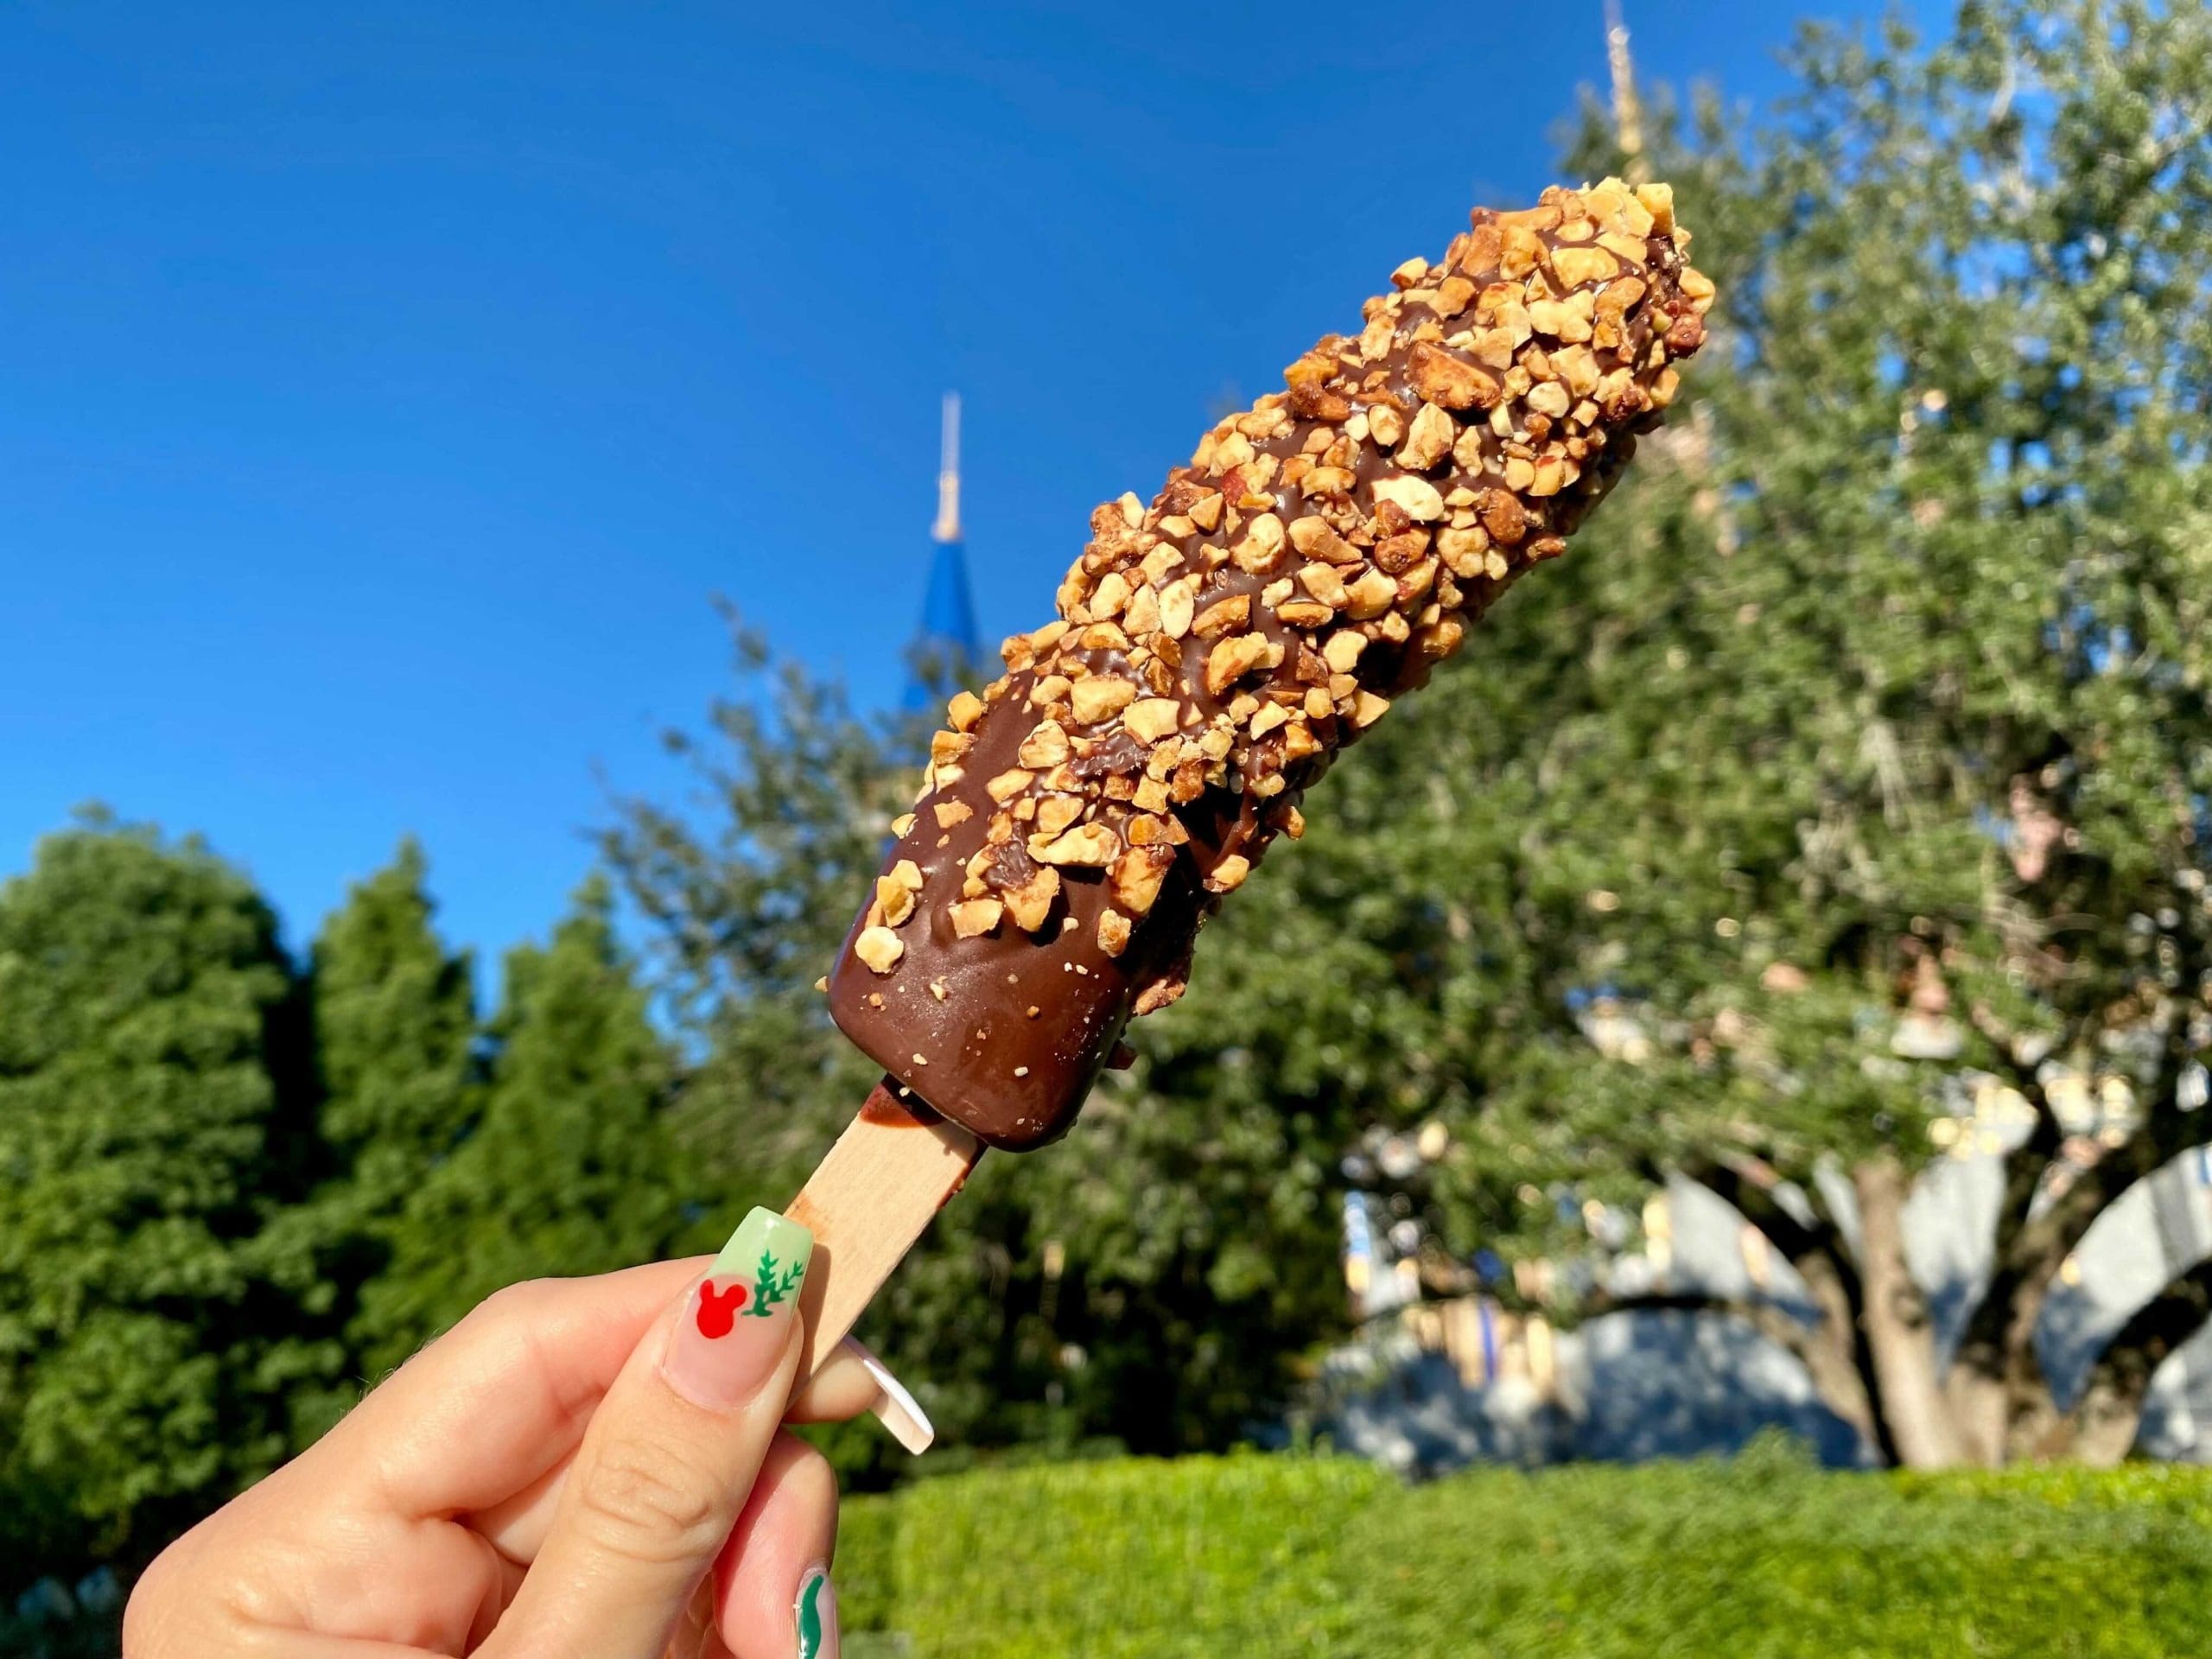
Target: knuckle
x,y
648,1504
518,1303
505,1324
182,1603
148,1614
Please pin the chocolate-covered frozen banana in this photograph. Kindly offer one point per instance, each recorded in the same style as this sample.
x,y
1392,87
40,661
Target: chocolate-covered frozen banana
x,y
1215,648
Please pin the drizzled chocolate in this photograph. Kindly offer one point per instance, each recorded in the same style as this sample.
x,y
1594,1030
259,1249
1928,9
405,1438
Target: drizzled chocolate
x,y
1214,651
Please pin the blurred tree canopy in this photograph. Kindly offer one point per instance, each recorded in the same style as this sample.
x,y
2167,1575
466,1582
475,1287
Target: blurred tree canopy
x,y
155,1317
1860,756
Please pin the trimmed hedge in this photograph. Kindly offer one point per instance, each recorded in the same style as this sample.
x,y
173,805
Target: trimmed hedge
x,y
1762,1558
866,1536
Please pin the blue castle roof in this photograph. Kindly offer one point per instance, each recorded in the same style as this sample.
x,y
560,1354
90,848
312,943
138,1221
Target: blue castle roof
x,y
947,640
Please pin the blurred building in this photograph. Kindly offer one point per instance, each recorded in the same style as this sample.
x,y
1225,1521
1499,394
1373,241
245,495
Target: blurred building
x,y
1441,1374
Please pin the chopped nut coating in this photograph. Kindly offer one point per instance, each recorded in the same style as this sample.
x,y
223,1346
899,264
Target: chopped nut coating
x,y
1218,646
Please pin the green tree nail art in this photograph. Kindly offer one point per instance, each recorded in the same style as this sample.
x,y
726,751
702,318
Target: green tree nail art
x,y
770,1287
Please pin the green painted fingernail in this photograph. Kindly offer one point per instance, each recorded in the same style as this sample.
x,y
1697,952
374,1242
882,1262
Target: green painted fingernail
x,y
817,1615
727,1338
767,1255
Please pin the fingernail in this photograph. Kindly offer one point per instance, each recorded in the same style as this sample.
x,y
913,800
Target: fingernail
x,y
737,1320
899,1412
816,1614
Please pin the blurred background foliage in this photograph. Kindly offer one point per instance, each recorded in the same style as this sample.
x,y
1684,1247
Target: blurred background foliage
x,y
1886,677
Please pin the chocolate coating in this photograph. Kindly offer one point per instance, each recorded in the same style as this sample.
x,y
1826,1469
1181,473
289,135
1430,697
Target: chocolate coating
x,y
1216,651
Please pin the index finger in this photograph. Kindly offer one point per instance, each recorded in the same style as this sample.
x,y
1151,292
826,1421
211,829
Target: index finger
x,y
505,1395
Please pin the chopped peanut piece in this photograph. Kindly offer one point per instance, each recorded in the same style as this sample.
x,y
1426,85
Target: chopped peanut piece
x,y
1428,440
1087,843
1056,812
1152,719
1228,615
1229,873
1098,698
1261,548
1343,650
879,948
1143,613
1137,877
1156,829
1232,659
972,918
1324,583
1175,607
1577,266
894,901
1371,595
1045,746
1443,378
1421,500
1008,784
1031,903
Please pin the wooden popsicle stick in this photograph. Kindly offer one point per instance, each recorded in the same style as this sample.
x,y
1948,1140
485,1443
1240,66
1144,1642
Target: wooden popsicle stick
x,y
897,1164
894,1168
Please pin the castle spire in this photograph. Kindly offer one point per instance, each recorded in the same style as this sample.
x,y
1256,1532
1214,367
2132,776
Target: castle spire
x,y
1628,119
947,528
946,647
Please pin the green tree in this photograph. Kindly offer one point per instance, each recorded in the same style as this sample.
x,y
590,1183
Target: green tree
x,y
569,1168
395,1031
1863,750
156,1117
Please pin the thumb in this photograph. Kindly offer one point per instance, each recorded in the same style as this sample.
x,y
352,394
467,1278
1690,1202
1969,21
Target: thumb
x,y
671,1452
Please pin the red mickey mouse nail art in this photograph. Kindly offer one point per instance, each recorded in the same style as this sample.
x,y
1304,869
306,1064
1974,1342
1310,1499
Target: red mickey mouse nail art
x,y
718,1313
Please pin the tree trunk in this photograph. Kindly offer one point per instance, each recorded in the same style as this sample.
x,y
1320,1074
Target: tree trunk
x,y
1833,1354
2000,1400
2099,1432
1996,1389
1980,1415
1900,1336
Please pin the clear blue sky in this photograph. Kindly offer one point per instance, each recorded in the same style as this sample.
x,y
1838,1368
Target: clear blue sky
x,y
386,388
